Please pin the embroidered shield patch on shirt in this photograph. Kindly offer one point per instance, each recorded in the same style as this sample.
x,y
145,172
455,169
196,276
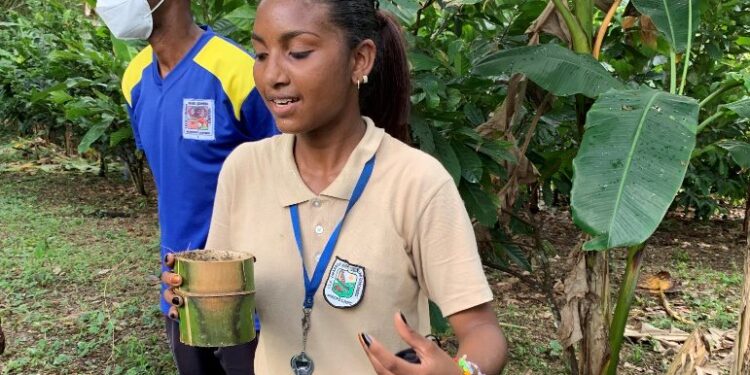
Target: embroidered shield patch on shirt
x,y
346,284
198,119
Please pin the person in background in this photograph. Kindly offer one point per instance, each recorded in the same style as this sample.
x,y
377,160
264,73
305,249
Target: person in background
x,y
191,99
353,229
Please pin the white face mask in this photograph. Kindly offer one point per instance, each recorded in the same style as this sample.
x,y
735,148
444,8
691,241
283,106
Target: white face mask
x,y
127,19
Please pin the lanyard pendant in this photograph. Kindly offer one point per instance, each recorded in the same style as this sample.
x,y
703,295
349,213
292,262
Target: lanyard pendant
x,y
302,364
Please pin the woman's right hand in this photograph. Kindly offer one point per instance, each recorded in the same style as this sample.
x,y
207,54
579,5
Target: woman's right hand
x,y
172,280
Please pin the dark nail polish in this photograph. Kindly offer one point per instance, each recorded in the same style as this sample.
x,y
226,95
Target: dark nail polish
x,y
165,259
365,339
403,318
173,315
177,301
409,355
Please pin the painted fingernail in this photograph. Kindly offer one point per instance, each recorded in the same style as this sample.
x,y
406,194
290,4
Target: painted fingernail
x,y
365,339
176,279
173,314
177,301
166,259
403,318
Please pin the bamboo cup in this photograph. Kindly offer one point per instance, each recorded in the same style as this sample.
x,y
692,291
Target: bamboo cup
x,y
218,290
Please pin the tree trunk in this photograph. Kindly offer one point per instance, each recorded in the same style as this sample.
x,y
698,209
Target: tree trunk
x,y
68,140
746,222
595,315
2,338
585,313
741,365
534,198
135,164
102,164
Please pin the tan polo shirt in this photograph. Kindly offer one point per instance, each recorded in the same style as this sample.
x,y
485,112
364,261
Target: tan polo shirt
x,y
408,239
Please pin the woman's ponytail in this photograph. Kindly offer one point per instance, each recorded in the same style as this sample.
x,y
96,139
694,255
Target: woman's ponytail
x,y
386,99
386,96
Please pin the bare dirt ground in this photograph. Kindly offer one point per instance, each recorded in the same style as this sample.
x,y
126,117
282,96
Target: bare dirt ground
x,y
703,258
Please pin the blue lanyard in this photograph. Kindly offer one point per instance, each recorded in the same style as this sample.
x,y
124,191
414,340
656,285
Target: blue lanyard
x,y
312,285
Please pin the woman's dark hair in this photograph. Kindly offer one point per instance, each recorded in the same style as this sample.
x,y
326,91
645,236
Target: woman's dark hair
x,y
386,96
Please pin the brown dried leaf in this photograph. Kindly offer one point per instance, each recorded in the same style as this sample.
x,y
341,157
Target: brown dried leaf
x,y
575,289
648,31
550,21
498,126
670,337
710,370
692,355
628,22
659,282
719,340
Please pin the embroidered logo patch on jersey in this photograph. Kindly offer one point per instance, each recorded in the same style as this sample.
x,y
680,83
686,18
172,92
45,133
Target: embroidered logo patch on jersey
x,y
198,119
346,284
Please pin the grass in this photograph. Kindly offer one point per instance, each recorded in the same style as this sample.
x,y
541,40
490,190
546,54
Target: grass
x,y
530,339
77,291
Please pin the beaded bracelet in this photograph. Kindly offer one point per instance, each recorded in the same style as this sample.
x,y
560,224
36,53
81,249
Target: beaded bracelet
x,y
467,367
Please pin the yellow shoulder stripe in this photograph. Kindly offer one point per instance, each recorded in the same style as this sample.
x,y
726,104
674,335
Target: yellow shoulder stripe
x,y
134,72
232,66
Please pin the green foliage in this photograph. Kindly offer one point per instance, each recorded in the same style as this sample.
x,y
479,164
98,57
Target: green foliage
x,y
449,102
677,19
740,107
554,68
631,163
740,151
59,74
233,18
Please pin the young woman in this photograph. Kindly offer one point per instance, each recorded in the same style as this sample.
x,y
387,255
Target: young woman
x,y
353,230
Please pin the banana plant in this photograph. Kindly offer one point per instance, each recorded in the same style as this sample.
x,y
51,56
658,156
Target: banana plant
x,y
637,141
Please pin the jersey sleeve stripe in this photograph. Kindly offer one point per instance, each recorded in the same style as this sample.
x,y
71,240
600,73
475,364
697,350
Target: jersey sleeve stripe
x,y
134,73
231,66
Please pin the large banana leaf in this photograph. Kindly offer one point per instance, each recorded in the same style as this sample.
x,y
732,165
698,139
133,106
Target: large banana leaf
x,y
740,107
556,69
740,151
632,161
677,19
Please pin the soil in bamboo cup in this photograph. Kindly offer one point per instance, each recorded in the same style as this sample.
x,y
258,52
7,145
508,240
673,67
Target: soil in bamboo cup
x,y
218,290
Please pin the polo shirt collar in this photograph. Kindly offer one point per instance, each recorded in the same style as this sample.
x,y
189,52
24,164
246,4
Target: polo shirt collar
x,y
293,190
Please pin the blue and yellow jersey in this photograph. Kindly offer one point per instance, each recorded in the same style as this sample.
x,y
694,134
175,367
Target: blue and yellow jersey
x,y
187,124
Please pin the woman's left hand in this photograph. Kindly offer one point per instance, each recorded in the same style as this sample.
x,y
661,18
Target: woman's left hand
x,y
434,361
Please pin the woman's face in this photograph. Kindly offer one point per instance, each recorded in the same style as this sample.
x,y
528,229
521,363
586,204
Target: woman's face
x,y
303,66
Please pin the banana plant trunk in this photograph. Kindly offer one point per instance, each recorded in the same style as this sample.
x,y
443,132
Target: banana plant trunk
x,y
741,354
218,291
595,318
